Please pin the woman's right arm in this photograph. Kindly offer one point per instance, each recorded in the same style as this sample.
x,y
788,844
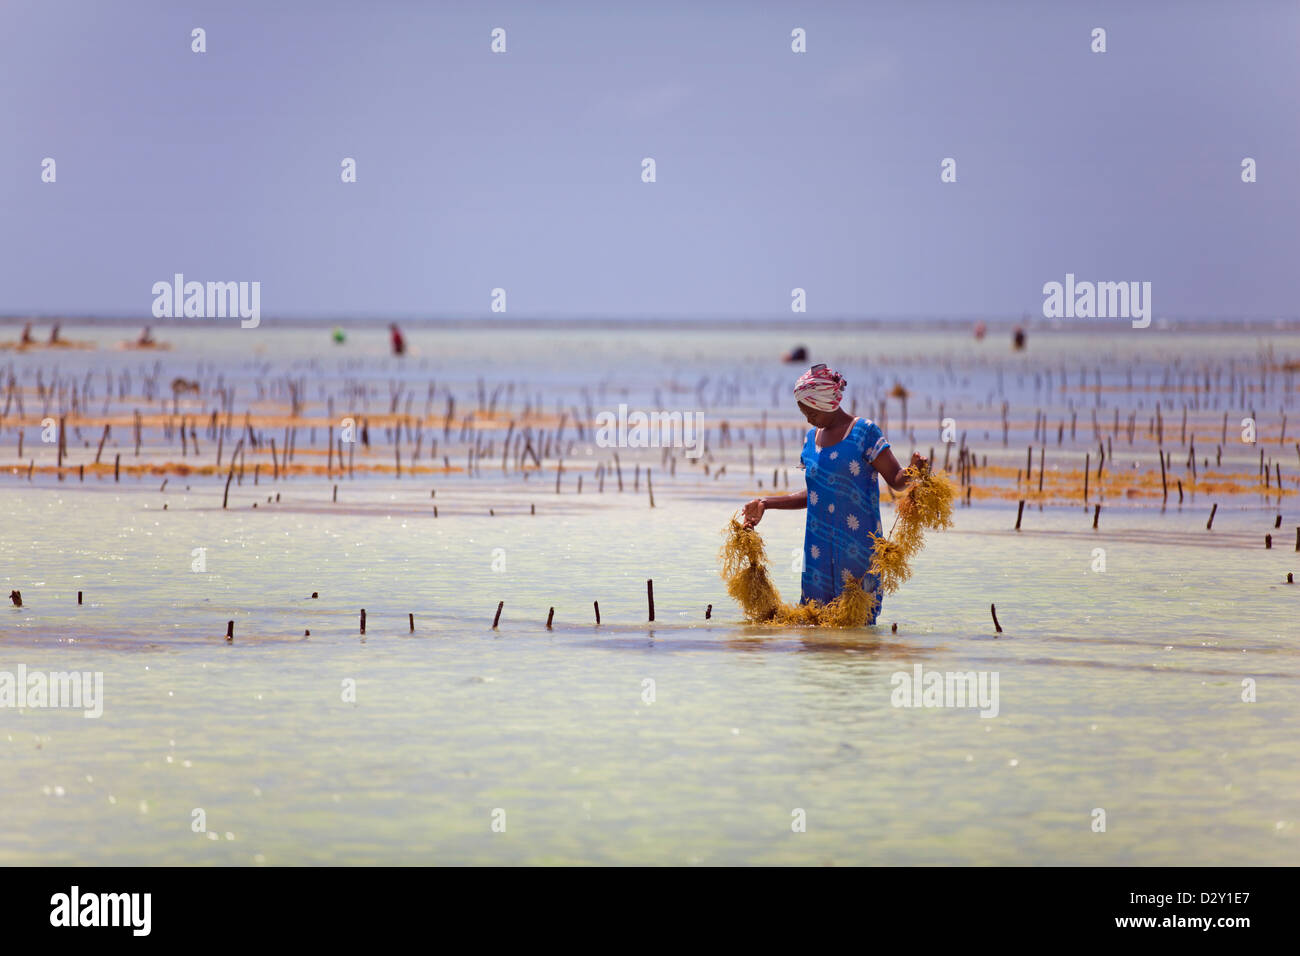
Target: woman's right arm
x,y
755,509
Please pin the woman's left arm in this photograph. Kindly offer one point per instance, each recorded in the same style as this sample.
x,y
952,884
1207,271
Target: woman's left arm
x,y
889,468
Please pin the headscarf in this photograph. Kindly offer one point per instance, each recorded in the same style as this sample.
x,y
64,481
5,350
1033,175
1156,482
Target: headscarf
x,y
821,388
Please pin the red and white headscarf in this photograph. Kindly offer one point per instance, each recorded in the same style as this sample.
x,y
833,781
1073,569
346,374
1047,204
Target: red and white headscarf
x,y
821,388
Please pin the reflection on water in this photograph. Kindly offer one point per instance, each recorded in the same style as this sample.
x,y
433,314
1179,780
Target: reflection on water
x,y
1122,693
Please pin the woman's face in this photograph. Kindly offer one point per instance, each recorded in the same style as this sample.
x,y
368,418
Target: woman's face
x,y
817,419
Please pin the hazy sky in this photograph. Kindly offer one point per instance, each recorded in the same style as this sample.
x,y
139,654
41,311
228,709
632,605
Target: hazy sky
x,y
775,170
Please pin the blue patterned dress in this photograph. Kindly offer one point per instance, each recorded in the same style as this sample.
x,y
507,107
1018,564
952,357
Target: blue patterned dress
x,y
843,507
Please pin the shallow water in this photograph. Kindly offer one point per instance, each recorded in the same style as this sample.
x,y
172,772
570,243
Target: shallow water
x,y
1119,690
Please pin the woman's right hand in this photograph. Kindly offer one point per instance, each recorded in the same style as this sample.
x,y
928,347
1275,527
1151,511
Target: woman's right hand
x,y
754,512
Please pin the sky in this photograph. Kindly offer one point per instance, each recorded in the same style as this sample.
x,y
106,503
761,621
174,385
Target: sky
x,y
774,170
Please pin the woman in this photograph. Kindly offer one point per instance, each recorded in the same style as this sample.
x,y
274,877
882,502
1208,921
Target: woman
x,y
841,458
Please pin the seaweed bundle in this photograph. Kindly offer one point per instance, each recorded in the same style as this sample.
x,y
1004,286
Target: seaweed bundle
x,y
926,505
744,568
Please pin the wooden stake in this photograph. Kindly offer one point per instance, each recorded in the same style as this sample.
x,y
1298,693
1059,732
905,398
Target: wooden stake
x,y
497,619
363,620
230,631
994,609
1019,513
550,617
596,604
708,612
650,596
411,618
1209,524
1096,512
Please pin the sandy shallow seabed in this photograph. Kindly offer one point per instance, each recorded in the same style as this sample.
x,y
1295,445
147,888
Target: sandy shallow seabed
x,y
1118,690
